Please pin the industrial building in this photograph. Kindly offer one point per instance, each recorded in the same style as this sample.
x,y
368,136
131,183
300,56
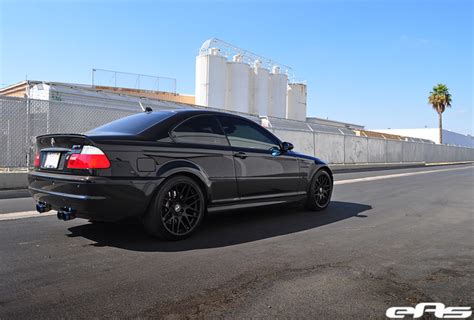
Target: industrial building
x,y
235,79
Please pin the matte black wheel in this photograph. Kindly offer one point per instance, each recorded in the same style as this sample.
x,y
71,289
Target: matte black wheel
x,y
319,195
177,209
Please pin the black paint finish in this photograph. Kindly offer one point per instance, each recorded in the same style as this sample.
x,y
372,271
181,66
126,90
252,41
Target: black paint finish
x,y
231,176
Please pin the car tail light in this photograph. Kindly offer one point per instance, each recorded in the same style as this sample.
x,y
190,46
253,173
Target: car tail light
x,y
37,160
89,158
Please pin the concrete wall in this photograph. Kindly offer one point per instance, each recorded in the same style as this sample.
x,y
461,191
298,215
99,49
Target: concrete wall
x,y
394,151
376,149
355,149
13,180
329,146
349,149
303,140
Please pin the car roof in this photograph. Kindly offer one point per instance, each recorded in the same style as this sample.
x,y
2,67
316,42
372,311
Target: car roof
x,y
183,114
200,111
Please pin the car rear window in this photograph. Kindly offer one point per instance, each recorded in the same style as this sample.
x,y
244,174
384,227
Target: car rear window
x,y
133,124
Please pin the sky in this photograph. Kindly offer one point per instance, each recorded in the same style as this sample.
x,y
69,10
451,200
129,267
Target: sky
x,y
365,62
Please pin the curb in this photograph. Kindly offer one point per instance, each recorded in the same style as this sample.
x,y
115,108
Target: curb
x,y
13,180
342,168
14,193
346,168
434,164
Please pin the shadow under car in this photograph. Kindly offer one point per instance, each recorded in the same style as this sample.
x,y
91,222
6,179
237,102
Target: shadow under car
x,y
222,229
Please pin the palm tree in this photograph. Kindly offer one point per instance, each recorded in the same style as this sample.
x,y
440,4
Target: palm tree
x,y
440,98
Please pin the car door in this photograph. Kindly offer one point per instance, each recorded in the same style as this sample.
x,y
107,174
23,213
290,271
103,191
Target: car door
x,y
200,140
260,172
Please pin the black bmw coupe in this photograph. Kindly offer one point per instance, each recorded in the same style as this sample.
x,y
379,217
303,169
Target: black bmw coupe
x,y
171,167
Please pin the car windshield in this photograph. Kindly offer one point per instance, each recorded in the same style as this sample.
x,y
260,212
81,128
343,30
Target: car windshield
x,y
133,124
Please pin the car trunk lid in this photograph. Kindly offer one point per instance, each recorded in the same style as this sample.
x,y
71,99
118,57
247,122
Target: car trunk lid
x,y
53,152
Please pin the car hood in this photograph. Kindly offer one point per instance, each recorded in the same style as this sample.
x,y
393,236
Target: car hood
x,y
304,156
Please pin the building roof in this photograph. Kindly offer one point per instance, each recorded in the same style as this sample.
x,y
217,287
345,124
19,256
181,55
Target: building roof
x,y
20,89
334,123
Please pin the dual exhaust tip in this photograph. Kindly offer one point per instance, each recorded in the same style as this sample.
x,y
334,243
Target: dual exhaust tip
x,y
65,213
42,207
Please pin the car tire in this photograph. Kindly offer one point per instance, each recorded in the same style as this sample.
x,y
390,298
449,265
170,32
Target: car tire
x,y
177,209
320,190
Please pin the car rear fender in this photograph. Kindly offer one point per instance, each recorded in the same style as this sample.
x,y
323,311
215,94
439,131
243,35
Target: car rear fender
x,y
188,168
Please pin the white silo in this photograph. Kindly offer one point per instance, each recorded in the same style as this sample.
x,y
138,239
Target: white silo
x,y
296,101
277,93
237,96
211,73
259,97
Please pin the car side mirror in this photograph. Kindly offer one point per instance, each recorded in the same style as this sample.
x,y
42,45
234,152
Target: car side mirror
x,y
286,146
275,151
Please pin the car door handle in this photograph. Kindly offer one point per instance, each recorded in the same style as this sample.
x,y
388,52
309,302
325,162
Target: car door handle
x,y
241,155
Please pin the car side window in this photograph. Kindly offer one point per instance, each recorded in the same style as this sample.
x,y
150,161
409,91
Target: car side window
x,y
200,130
245,134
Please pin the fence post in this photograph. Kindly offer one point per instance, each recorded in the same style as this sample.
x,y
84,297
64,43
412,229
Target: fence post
x,y
9,154
47,118
27,137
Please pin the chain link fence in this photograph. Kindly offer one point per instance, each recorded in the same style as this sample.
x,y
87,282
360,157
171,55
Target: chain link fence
x,y
21,120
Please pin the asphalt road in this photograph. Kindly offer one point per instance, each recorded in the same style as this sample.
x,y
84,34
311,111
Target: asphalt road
x,y
384,241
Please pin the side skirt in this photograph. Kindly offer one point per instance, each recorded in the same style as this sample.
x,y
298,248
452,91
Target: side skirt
x,y
243,204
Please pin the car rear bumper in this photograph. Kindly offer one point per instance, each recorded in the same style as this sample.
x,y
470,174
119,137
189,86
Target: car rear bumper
x,y
89,197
